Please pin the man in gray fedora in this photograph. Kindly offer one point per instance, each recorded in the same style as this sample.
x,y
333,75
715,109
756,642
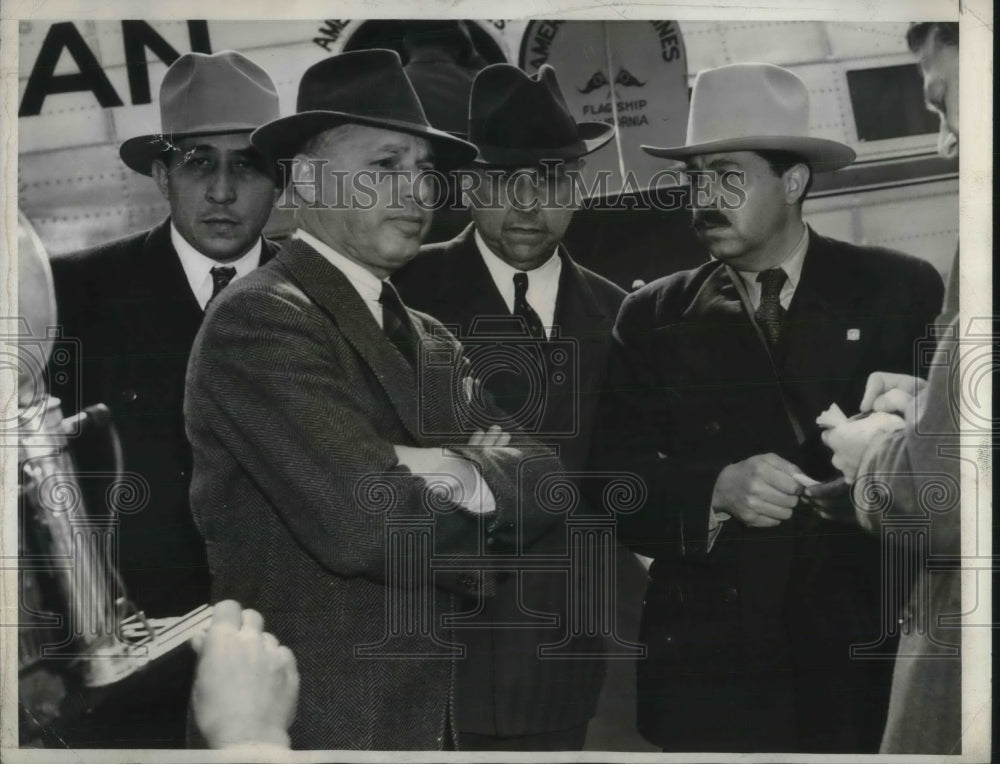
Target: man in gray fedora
x,y
324,437
757,593
135,305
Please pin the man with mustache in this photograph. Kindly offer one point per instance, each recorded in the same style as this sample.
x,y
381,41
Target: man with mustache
x,y
509,263
756,594
324,438
136,304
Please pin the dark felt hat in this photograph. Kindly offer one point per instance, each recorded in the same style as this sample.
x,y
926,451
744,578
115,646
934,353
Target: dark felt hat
x,y
365,87
516,119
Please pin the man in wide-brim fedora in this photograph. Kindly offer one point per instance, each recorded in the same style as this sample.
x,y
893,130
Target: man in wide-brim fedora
x,y
510,263
136,304
756,593
317,427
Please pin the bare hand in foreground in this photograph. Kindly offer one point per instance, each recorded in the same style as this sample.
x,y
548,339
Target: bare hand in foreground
x,y
246,685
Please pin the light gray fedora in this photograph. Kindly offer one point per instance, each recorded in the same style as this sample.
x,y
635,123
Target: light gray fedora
x,y
750,107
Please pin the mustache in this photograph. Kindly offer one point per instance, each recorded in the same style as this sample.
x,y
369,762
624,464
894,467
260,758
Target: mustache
x,y
597,80
703,218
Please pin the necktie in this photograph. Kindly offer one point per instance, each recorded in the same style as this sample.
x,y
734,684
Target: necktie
x,y
396,323
525,311
770,313
221,276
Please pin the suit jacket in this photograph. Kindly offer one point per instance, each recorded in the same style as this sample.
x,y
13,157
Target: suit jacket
x,y
748,644
504,688
130,306
295,399
925,708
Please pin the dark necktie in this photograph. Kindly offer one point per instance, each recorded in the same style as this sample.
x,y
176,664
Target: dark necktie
x,y
396,323
525,311
770,313
221,276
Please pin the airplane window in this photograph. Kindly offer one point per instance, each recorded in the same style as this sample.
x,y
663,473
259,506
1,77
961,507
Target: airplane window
x,y
889,103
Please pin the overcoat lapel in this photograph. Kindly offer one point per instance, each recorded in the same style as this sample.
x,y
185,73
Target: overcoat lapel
x,y
817,350
579,317
467,275
719,340
166,310
335,295
723,358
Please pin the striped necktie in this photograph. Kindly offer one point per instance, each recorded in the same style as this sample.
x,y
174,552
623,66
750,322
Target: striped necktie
x,y
221,276
523,309
769,314
396,323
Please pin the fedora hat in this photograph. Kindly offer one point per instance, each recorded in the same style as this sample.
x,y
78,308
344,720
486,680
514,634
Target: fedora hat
x,y
517,119
204,94
750,107
365,87
443,62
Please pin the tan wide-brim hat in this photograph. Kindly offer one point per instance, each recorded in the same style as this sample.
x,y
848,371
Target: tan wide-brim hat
x,y
753,107
204,94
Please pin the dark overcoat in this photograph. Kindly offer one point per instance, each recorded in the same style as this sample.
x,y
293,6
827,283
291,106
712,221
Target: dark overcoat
x,y
504,687
749,643
295,399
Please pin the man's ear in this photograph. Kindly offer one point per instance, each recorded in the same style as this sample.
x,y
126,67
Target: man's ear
x,y
161,176
305,182
796,180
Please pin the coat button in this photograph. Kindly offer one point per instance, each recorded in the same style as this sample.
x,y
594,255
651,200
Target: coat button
x,y
731,595
713,427
129,395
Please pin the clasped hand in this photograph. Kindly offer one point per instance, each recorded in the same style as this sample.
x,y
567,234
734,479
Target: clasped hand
x,y
887,400
451,475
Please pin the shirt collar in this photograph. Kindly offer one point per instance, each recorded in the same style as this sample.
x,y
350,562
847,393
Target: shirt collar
x,y
367,284
503,272
791,265
197,266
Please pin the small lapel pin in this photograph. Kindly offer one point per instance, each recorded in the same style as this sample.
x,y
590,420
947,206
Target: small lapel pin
x,y
853,335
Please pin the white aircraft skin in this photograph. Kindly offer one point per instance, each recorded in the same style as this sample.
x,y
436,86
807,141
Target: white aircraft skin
x,y
76,191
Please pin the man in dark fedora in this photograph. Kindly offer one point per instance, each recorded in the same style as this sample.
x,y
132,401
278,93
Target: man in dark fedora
x,y
757,594
509,262
319,430
136,304
443,62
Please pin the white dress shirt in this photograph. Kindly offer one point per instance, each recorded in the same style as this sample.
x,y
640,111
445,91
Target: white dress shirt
x,y
543,282
480,499
365,283
791,265
198,267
